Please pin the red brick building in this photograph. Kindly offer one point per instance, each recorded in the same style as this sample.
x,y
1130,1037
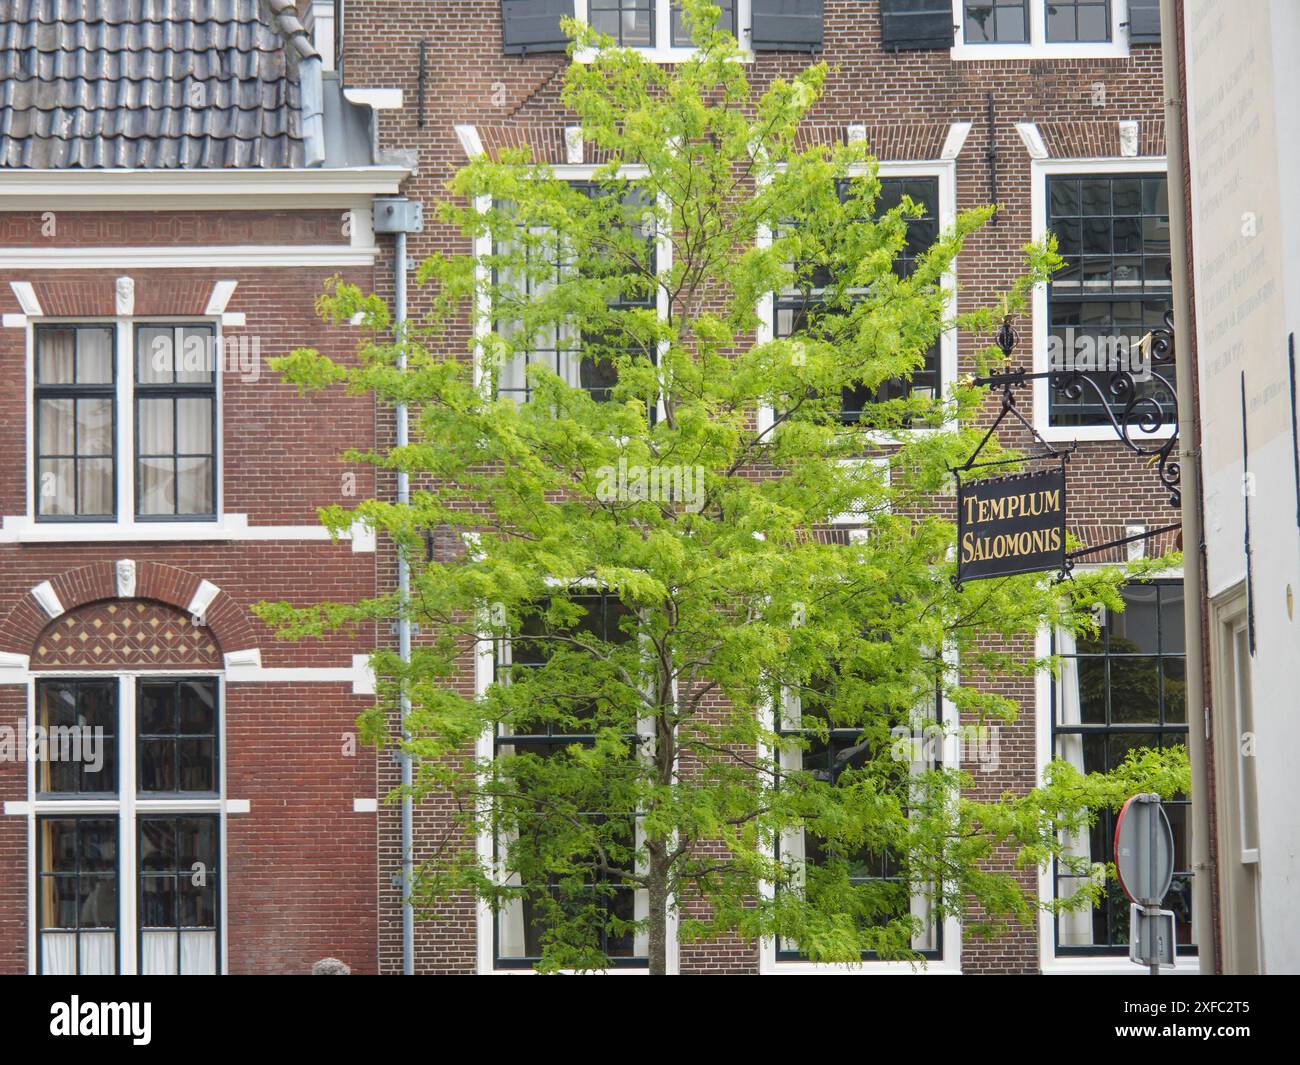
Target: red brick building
x,y
177,183
1051,110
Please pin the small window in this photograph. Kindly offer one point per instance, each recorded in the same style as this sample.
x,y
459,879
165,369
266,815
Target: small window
x,y
996,21
630,22
175,402
176,733
1078,20
682,33
76,896
76,469
78,726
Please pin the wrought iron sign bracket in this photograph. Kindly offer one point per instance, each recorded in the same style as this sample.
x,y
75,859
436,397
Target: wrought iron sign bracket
x,y
1141,412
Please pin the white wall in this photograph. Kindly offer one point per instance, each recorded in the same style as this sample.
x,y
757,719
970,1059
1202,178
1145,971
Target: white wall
x,y
1243,113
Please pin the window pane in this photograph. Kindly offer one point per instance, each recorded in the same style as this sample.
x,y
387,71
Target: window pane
x,y
95,487
155,427
94,356
155,354
78,723
76,894
197,356
57,481
156,489
194,486
194,426
56,427
55,350
95,426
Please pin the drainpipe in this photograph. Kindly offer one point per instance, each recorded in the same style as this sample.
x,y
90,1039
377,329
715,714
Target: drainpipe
x,y
399,216
1198,709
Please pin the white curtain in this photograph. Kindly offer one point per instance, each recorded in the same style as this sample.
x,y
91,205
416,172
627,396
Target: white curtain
x,y
59,953
198,952
1075,928
98,953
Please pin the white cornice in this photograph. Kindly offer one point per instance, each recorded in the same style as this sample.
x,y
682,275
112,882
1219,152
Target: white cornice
x,y
182,256
208,189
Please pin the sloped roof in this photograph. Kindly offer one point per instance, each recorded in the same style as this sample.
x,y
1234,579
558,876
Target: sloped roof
x,y
162,84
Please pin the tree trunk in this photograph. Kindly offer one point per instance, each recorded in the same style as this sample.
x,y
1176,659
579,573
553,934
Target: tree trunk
x,y
657,889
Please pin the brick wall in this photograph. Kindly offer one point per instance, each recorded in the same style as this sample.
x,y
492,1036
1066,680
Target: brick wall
x,y
300,882
907,101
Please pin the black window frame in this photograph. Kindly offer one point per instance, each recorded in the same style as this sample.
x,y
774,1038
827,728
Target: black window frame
x,y
175,391
214,884
113,819
1115,914
799,302
1151,298
176,737
74,391
549,742
850,737
113,737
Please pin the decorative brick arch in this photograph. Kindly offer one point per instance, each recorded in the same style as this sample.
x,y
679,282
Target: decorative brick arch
x,y
125,580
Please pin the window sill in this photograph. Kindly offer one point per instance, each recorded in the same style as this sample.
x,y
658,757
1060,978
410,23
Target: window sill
x,y
867,968
229,527
1115,966
659,55
1090,50
1090,433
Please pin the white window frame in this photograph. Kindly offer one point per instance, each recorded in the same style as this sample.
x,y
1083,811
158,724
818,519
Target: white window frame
x,y
1038,47
1048,963
1041,170
949,961
946,172
125,526
126,808
664,51
485,666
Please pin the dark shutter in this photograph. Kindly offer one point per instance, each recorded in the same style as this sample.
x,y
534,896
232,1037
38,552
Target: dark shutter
x,y
786,25
1144,21
913,25
534,25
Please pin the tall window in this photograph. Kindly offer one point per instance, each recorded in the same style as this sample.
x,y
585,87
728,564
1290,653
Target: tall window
x,y
1122,691
829,752
796,310
1113,233
175,404
546,261
168,901
75,423
601,897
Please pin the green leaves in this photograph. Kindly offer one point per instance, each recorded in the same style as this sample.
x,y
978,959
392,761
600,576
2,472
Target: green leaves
x,y
638,500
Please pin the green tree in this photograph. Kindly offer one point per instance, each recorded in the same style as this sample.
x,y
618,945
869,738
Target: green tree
x,y
697,699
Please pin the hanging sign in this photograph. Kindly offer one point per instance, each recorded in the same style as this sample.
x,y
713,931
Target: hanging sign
x,y
1008,525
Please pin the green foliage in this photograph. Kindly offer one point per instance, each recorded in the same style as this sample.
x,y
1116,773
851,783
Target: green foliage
x,y
681,784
